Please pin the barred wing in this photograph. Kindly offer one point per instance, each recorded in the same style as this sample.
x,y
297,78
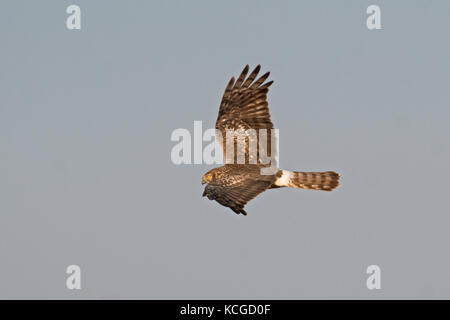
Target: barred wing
x,y
236,196
244,106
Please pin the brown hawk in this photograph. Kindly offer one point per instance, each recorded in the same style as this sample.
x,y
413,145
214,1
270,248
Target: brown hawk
x,y
244,107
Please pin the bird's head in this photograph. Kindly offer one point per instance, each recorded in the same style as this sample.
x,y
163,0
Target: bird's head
x,y
209,177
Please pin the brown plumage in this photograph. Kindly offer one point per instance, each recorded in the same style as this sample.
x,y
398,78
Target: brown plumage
x,y
244,106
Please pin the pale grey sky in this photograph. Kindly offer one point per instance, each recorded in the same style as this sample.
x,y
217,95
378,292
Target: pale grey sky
x,y
85,171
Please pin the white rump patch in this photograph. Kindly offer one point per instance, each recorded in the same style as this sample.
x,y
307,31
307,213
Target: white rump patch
x,y
285,178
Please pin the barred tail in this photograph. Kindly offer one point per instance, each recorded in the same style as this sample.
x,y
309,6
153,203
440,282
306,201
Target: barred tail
x,y
326,181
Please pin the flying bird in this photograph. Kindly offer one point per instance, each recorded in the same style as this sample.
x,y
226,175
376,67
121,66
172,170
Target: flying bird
x,y
244,107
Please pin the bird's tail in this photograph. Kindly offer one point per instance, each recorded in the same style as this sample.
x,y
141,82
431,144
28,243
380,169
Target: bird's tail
x,y
326,181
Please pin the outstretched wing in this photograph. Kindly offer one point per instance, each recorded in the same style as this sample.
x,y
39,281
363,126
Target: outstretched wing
x,y
244,106
236,196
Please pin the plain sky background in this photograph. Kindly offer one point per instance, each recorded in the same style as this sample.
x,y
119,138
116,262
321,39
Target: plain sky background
x,y
86,176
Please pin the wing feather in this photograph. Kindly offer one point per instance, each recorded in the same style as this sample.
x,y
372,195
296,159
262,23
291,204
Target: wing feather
x,y
244,106
236,196
241,78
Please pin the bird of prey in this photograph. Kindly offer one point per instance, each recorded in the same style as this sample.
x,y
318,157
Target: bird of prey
x,y
244,106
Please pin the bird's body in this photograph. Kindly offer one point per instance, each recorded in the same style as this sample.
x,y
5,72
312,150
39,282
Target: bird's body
x,y
244,107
